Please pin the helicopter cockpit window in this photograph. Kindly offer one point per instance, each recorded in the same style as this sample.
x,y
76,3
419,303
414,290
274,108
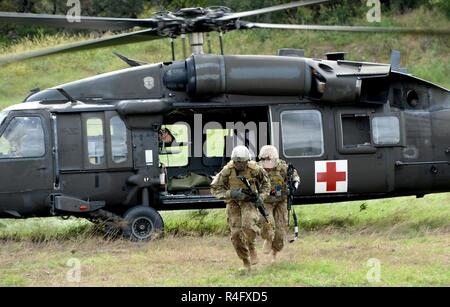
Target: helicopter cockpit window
x,y
386,130
302,134
119,147
96,151
23,138
3,116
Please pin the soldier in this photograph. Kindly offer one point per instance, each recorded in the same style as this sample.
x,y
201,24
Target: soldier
x,y
276,203
242,213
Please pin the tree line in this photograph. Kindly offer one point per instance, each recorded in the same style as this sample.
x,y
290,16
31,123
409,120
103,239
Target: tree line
x,y
336,12
132,8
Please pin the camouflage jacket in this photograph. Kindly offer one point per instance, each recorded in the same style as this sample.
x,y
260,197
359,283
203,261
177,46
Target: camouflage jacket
x,y
227,180
279,180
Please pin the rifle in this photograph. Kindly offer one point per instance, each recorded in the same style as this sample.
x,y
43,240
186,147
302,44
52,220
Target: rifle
x,y
291,191
254,197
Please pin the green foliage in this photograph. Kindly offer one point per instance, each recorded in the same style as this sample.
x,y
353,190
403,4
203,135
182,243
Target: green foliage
x,y
443,5
117,8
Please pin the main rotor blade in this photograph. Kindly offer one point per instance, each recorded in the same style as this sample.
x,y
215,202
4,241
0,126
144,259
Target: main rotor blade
x,y
251,25
271,9
114,40
87,23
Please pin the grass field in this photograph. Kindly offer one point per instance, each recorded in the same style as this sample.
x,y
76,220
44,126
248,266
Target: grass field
x,y
408,238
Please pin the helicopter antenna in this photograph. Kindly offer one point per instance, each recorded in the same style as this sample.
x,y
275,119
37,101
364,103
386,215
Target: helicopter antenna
x,y
131,62
67,95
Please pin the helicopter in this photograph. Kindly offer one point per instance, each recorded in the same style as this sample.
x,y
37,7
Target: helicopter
x,y
120,147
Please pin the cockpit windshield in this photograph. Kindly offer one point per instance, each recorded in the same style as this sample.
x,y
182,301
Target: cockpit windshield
x,y
23,138
3,115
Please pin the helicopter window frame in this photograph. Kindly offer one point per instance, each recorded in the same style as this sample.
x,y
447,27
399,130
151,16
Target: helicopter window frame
x,y
109,116
283,132
178,153
366,148
85,118
42,129
398,129
3,116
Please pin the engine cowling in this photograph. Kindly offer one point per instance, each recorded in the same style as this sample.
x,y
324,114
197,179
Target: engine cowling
x,y
211,75
320,80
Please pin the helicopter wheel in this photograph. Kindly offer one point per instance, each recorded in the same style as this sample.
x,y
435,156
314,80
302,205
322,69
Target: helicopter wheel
x,y
144,224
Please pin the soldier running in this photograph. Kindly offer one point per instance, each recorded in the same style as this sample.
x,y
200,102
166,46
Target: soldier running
x,y
242,213
276,203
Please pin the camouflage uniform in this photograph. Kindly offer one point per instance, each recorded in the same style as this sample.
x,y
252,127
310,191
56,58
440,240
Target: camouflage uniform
x,y
276,206
242,215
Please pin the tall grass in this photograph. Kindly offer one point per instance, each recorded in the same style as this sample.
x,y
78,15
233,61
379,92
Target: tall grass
x,y
400,216
405,216
46,229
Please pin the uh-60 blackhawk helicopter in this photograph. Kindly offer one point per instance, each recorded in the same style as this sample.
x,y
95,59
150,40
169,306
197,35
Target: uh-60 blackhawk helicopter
x,y
121,146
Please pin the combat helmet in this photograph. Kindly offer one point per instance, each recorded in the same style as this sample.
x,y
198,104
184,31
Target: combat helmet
x,y
269,152
240,154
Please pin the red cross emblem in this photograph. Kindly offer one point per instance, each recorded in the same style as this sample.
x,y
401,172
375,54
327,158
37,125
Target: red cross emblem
x,y
331,176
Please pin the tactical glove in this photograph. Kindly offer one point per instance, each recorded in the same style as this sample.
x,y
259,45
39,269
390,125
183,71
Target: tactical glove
x,y
238,195
272,199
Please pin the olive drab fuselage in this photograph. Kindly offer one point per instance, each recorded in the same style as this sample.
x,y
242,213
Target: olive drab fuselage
x,y
355,130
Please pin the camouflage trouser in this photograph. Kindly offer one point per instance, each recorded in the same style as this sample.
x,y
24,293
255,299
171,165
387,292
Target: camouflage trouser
x,y
275,232
242,220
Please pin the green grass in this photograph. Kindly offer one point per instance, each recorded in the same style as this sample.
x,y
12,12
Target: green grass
x,y
426,56
45,229
406,216
409,237
331,259
400,216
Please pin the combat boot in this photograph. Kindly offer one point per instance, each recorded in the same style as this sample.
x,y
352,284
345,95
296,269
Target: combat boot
x,y
247,268
273,256
253,257
267,247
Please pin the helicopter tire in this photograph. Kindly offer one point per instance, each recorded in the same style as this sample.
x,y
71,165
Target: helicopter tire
x,y
143,224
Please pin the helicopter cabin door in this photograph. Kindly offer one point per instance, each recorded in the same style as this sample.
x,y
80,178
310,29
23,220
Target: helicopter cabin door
x,y
26,161
366,138
332,149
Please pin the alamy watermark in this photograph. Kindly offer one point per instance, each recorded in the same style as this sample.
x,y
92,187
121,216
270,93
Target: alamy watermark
x,y
74,12
374,274
374,13
73,275
252,134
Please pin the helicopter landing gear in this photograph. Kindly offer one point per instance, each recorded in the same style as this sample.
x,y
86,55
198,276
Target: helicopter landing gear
x,y
143,224
110,224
